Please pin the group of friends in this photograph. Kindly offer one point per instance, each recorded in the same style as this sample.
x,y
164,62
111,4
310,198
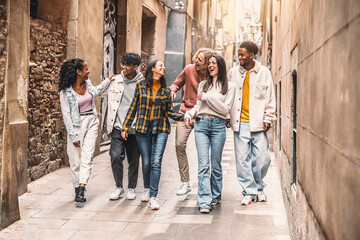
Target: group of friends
x,y
138,112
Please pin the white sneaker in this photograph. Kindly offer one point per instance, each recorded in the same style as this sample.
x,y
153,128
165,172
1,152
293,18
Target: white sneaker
x,y
146,195
247,200
116,193
261,197
204,209
153,204
184,188
130,194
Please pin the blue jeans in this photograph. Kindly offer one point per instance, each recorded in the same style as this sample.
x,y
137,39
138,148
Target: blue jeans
x,y
152,148
210,133
252,159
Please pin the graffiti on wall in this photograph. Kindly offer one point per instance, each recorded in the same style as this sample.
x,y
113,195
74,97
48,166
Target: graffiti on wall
x,y
109,54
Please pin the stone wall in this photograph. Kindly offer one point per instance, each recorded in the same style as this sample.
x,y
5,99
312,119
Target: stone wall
x,y
321,196
3,54
47,134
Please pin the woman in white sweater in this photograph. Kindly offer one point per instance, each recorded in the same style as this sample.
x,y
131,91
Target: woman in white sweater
x,y
215,99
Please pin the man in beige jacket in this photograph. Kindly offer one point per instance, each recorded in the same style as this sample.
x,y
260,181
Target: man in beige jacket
x,y
251,116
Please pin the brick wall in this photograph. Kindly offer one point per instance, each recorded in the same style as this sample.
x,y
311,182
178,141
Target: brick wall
x,y
47,135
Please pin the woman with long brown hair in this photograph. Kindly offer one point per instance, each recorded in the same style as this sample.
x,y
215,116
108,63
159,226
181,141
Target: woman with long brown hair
x,y
215,99
152,105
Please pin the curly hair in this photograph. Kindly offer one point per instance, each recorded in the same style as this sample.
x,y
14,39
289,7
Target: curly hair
x,y
207,54
221,76
250,47
68,72
149,75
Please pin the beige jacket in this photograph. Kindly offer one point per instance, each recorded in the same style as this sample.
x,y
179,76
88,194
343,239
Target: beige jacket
x,y
261,97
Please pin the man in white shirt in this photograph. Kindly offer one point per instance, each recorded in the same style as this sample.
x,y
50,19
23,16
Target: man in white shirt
x,y
251,116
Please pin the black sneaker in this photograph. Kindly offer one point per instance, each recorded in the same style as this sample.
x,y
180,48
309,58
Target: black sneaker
x,y
80,195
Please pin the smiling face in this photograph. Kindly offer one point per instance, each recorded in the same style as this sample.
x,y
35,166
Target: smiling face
x,y
159,69
200,63
129,70
245,57
84,73
213,67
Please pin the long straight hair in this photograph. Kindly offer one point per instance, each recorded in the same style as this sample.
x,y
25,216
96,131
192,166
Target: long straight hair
x,y
149,75
221,77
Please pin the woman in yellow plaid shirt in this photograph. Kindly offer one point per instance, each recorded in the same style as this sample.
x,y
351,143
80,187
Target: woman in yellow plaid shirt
x,y
152,105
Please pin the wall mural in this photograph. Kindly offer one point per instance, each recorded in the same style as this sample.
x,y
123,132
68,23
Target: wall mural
x,y
109,54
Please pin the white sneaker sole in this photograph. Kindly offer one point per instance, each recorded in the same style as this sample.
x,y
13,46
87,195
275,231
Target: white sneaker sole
x,y
115,198
179,194
130,198
205,211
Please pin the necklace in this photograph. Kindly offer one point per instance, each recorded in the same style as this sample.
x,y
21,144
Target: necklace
x,y
80,89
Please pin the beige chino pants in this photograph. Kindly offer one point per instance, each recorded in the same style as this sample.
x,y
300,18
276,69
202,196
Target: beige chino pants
x,y
181,137
80,158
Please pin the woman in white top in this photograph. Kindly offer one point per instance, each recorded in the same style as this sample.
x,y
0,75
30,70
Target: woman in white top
x,y
80,118
215,99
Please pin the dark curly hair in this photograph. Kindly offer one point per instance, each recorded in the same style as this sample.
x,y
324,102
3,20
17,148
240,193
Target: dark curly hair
x,y
149,75
221,76
68,72
250,47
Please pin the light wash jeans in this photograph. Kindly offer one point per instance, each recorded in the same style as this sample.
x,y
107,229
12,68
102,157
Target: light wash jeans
x,y
252,159
152,148
210,133
80,158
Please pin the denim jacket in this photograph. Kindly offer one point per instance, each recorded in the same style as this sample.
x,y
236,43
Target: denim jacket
x,y
70,106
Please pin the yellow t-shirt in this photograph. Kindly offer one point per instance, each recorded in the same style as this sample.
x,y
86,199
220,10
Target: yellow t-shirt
x,y
155,87
244,117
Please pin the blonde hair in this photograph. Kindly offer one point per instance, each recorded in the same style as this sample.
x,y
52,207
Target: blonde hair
x,y
207,54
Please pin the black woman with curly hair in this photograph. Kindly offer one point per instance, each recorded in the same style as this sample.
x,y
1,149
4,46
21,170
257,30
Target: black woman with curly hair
x,y
80,118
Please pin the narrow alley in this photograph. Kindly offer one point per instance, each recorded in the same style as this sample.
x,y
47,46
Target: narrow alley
x,y
288,72
49,212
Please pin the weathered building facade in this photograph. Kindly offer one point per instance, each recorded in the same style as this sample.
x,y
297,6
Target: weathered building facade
x,y
312,49
131,26
38,36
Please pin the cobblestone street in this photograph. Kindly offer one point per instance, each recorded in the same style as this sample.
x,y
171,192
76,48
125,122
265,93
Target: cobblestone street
x,y
49,212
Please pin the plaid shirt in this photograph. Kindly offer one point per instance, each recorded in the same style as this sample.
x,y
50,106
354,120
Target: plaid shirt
x,y
141,105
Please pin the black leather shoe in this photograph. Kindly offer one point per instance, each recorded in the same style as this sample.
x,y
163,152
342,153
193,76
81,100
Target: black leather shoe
x,y
76,192
80,195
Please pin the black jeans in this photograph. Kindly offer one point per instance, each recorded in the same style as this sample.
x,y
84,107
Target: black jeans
x,y
117,153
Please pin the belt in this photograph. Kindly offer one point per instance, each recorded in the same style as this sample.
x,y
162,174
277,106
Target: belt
x,y
208,115
86,113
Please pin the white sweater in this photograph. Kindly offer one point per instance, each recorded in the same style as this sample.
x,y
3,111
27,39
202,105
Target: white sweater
x,y
213,102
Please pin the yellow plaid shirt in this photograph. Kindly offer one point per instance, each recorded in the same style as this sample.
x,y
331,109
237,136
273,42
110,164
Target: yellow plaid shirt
x,y
141,108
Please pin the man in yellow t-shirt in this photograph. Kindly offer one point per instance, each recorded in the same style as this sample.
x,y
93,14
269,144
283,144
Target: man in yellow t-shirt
x,y
251,116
